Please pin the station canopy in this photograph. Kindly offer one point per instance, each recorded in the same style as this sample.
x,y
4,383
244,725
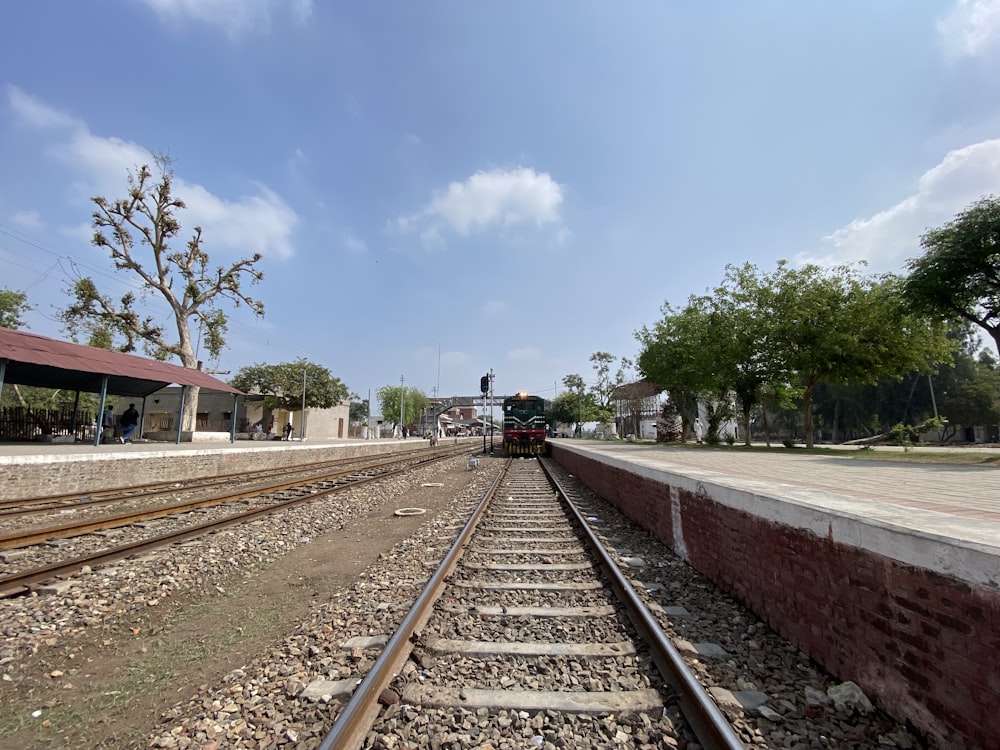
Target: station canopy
x,y
48,363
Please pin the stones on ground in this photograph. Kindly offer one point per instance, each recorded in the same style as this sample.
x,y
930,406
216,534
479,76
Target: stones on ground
x,y
266,703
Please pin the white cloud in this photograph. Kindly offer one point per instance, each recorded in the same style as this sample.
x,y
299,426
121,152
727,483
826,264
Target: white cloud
x,y
26,219
354,244
36,113
972,28
525,354
498,198
262,222
234,17
887,239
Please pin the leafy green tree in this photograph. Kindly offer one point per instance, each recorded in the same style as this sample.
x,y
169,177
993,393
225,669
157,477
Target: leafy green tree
x,y
837,326
183,278
575,405
281,385
958,276
390,398
606,384
768,334
677,355
739,347
13,306
969,392
359,410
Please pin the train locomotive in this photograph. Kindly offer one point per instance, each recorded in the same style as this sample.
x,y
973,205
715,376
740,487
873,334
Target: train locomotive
x,y
524,427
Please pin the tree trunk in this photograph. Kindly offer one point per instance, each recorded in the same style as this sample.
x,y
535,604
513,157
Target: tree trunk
x,y
807,415
189,419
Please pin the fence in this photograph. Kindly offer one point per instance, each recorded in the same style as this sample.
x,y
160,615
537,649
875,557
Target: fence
x,y
32,423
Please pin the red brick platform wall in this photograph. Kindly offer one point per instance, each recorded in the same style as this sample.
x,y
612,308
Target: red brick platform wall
x,y
924,646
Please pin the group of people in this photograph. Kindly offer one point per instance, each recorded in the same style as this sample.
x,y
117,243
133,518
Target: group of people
x,y
126,424
258,432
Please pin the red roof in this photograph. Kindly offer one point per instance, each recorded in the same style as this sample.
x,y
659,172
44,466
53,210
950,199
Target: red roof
x,y
48,363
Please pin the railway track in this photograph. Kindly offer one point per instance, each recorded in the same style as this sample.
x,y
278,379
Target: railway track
x,y
40,559
14,510
520,619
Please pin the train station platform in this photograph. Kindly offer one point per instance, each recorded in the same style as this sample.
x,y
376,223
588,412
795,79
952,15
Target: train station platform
x,y
943,501
886,573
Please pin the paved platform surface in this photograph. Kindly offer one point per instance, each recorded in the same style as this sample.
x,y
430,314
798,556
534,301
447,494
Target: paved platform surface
x,y
953,501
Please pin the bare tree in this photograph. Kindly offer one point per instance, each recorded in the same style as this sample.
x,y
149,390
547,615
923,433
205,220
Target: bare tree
x,y
146,221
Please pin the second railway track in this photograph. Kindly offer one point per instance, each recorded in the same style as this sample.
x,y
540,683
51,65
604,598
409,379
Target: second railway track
x,y
35,557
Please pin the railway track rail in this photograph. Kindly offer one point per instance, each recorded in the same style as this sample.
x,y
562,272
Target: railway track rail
x,y
97,497
520,609
274,498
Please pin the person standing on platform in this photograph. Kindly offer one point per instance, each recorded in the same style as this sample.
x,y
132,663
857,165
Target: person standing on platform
x,y
108,425
128,422
288,431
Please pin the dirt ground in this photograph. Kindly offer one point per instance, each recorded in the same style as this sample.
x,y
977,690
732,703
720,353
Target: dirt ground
x,y
117,683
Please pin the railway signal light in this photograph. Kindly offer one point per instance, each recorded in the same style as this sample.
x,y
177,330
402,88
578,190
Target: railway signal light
x,y
484,384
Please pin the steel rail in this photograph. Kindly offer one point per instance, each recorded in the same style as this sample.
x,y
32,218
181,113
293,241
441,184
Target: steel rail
x,y
17,583
710,725
72,499
353,723
25,538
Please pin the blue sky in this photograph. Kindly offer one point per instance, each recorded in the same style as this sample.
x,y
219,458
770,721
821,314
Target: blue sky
x,y
442,188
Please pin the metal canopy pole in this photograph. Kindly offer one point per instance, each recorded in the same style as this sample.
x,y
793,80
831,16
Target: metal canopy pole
x,y
232,422
302,426
100,411
180,416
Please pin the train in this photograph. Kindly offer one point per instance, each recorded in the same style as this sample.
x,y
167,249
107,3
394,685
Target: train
x,y
524,425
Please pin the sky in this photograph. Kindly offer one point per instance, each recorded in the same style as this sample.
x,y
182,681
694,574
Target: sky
x,y
440,189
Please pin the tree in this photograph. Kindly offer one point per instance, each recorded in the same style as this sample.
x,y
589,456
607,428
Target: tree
x,y
603,390
391,396
281,385
574,406
359,410
969,392
763,336
13,306
958,276
677,356
837,326
739,347
147,219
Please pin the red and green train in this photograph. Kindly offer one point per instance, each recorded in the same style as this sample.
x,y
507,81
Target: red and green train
x,y
524,425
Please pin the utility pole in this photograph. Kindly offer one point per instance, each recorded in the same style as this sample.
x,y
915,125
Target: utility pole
x,y
491,411
402,407
302,427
